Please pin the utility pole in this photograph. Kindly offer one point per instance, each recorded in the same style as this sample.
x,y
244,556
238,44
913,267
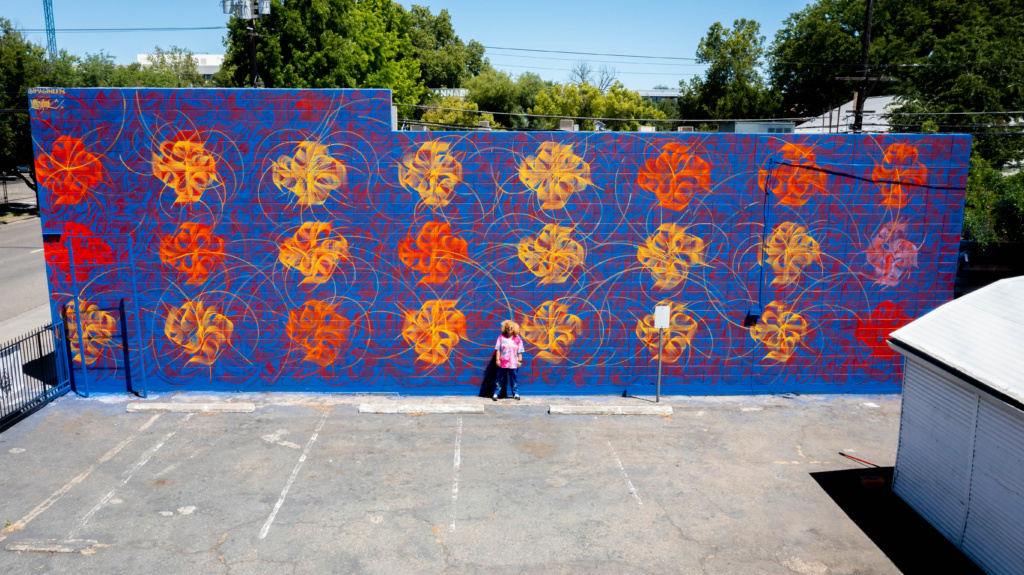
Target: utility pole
x,y
862,93
250,10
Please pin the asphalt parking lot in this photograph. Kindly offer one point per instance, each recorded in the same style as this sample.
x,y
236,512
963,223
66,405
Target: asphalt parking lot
x,y
306,484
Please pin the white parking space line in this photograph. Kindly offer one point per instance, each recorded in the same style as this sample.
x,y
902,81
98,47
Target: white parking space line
x,y
455,480
24,521
36,251
629,484
295,472
130,473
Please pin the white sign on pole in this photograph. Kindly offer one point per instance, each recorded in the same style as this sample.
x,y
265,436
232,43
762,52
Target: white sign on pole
x,y
662,317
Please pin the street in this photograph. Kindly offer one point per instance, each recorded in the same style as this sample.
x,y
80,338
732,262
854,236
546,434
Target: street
x,y
22,270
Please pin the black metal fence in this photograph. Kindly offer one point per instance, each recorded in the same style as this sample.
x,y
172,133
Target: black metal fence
x,y
33,372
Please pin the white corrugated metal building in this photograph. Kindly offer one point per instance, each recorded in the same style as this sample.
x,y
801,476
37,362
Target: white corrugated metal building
x,y
960,462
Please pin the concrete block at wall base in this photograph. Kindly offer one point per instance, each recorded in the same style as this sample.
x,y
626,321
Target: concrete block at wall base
x,y
191,408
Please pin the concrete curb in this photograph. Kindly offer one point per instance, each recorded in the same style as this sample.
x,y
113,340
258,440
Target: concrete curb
x,y
412,408
190,408
610,410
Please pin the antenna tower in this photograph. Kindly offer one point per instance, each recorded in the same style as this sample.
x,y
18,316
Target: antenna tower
x,y
51,32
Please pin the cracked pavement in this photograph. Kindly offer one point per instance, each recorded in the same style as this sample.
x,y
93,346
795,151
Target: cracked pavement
x,y
724,485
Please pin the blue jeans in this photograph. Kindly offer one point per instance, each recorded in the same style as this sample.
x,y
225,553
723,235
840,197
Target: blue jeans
x,y
507,378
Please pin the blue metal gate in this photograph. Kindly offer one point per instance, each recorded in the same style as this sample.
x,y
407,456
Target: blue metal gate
x,y
34,370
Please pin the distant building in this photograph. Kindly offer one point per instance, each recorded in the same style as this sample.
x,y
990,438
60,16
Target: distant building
x,y
206,64
659,94
840,120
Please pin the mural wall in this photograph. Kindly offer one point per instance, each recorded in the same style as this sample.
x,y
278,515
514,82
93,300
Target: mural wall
x,y
290,240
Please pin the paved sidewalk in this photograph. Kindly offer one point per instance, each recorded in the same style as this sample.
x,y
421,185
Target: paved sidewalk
x,y
306,484
24,323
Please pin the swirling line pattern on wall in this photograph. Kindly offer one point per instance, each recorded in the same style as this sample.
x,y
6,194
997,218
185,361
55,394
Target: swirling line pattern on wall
x,y
289,239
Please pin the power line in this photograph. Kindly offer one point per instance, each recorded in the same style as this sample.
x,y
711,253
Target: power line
x,y
106,30
617,72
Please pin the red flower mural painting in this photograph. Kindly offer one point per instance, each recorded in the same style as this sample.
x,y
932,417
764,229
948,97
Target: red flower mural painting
x,y
900,172
69,171
193,250
872,331
434,252
90,252
891,255
319,330
796,179
434,330
675,175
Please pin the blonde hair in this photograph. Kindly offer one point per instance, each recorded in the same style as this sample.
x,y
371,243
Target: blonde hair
x,y
509,326
515,329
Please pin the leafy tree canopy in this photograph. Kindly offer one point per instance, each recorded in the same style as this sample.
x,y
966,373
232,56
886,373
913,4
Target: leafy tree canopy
x,y
453,110
329,44
496,91
445,62
623,107
731,87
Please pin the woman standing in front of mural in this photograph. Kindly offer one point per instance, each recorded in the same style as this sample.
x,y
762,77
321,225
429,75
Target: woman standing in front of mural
x,y
508,352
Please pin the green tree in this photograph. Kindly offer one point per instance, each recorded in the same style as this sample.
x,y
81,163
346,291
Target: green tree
x,y
621,109
329,44
731,87
445,62
453,110
994,206
496,91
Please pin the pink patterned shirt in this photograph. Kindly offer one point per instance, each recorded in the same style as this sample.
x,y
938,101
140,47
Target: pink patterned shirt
x,y
508,349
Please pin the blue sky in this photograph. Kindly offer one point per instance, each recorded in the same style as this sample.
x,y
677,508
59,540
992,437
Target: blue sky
x,y
672,28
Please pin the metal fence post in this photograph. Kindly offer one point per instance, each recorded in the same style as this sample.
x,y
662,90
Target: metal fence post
x,y
138,322
78,322
661,339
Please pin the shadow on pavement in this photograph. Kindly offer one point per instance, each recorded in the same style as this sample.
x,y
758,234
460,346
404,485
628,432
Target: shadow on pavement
x,y
914,546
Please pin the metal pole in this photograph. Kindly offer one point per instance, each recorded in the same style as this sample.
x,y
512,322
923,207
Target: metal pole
x,y
862,93
78,320
138,312
252,50
661,337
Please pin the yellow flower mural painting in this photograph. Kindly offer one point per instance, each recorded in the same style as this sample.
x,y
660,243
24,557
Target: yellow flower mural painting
x,y
669,254
432,172
310,173
200,330
780,331
554,173
434,330
98,330
789,250
551,328
553,254
682,328
184,165
313,252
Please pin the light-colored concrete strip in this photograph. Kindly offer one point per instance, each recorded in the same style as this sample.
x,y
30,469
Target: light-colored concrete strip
x,y
53,546
414,408
610,410
191,408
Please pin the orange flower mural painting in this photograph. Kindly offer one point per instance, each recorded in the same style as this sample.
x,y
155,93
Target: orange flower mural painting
x,y
899,164
789,250
553,254
69,171
199,330
185,166
780,331
675,175
678,336
310,173
432,172
434,330
793,182
669,254
554,173
891,255
98,330
551,328
319,330
313,252
193,250
434,252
